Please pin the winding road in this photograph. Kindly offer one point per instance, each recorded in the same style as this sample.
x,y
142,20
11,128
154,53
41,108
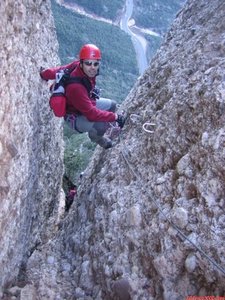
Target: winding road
x,y
138,41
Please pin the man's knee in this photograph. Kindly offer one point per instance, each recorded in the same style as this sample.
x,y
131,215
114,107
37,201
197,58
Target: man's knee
x,y
100,127
113,106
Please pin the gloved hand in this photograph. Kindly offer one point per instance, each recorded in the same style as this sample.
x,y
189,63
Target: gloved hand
x,y
40,72
121,120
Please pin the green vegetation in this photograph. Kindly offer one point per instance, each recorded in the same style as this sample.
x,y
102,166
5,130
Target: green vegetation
x,y
107,9
154,43
117,75
78,150
158,15
119,67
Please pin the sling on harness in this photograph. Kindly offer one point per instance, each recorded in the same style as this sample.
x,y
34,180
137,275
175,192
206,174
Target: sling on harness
x,y
57,100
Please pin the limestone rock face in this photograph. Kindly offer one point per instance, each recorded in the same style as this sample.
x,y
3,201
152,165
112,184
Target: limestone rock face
x,y
149,219
30,138
148,222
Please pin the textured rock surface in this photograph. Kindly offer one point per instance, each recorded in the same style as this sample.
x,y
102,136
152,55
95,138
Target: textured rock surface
x,y
30,139
120,239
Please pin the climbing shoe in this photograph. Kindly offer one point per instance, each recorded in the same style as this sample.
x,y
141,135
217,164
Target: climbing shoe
x,y
108,145
105,143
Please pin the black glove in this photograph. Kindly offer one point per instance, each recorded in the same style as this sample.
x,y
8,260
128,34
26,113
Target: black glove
x,y
121,120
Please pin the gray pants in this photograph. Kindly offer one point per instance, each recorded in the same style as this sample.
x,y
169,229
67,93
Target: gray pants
x,y
95,130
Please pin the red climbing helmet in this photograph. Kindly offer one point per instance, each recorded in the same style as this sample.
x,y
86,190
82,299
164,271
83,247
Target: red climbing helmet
x,y
90,51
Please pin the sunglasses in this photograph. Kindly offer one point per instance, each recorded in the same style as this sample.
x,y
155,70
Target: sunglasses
x,y
92,63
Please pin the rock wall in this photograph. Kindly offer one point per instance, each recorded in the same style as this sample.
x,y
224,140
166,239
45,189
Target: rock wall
x,y
148,222
30,138
149,219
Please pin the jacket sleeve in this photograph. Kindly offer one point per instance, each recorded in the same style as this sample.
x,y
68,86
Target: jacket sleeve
x,y
78,97
49,74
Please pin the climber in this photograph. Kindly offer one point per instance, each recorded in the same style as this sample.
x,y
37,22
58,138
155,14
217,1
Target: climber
x,y
87,112
70,196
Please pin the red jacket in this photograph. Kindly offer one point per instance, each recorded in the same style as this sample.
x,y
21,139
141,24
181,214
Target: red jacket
x,y
78,100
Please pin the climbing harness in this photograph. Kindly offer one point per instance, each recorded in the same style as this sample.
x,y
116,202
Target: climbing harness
x,y
149,127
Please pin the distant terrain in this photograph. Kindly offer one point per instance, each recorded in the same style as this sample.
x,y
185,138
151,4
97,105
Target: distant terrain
x,y
156,16
119,68
107,9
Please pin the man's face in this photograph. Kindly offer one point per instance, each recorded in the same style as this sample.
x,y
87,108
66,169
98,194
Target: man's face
x,y
90,67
